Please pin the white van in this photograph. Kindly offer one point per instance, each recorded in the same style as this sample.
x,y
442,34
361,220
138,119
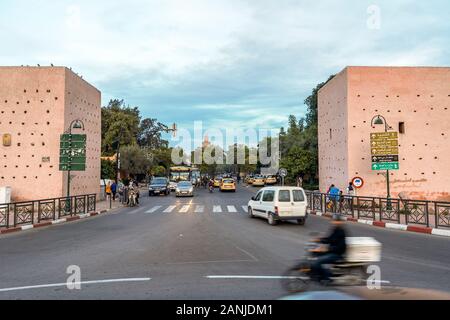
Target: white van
x,y
279,204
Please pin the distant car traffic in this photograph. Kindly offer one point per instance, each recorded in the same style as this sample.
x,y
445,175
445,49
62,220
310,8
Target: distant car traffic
x,y
258,181
217,181
228,184
159,185
172,185
271,180
278,204
184,188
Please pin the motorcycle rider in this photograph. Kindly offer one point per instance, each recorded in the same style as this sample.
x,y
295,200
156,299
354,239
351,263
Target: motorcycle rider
x,y
333,252
211,185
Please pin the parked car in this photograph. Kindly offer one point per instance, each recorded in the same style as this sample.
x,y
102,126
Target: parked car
x,y
184,188
159,185
278,204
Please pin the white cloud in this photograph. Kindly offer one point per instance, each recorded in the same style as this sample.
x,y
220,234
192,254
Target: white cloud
x,y
227,62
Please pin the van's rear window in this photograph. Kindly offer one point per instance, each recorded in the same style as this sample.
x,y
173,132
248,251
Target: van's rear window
x,y
284,196
298,195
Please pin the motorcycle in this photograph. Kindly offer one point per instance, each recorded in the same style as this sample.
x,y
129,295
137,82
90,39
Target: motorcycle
x,y
211,189
344,273
132,198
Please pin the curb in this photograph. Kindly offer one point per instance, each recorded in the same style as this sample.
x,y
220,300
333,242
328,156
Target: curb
x,y
58,221
388,225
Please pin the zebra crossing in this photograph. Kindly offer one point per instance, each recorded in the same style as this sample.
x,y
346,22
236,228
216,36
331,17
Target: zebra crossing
x,y
187,208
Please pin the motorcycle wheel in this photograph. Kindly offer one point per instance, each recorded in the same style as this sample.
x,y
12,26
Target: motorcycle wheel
x,y
358,276
296,280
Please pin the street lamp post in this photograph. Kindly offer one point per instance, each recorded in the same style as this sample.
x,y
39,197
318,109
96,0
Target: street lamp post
x,y
379,119
75,124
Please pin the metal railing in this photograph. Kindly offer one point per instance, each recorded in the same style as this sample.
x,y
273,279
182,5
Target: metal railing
x,y
403,211
36,211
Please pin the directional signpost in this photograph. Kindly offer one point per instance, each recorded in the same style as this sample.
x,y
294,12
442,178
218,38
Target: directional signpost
x,y
72,154
384,150
72,157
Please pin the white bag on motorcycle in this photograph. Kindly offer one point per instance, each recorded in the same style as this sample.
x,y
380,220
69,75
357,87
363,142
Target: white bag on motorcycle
x,y
362,249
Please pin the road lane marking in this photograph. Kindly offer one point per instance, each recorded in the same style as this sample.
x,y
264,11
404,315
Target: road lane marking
x,y
185,208
169,209
231,209
253,277
153,209
210,261
272,277
199,208
64,284
247,253
217,209
134,211
245,208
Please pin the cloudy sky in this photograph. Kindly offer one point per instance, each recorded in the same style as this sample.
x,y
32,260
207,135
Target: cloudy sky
x,y
239,63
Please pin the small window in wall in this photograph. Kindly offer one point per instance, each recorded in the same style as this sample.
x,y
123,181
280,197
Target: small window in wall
x,y
331,136
401,127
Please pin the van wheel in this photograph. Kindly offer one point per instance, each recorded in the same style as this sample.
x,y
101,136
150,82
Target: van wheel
x,y
301,221
250,213
271,220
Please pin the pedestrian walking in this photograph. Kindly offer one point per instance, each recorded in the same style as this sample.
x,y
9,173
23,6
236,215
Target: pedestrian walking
x,y
114,190
299,181
350,189
333,196
121,191
108,190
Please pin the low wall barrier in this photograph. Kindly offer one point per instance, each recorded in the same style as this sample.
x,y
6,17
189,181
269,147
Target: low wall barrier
x,y
403,211
37,211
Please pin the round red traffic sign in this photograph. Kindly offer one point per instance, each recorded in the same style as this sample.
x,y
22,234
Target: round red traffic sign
x,y
357,182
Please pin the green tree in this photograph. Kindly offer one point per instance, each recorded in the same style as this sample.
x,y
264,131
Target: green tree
x,y
119,121
150,134
299,144
108,169
134,160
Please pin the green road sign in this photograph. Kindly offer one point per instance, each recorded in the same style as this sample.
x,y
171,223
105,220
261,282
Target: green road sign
x,y
72,152
73,137
73,144
64,159
72,167
78,152
385,166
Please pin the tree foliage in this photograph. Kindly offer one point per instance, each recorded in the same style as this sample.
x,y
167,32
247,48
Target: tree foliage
x,y
108,169
299,143
134,160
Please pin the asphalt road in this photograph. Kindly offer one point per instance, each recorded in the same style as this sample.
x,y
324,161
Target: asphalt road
x,y
146,253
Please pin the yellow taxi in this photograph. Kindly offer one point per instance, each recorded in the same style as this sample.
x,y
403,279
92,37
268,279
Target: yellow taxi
x,y
217,181
228,184
258,181
249,180
270,180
